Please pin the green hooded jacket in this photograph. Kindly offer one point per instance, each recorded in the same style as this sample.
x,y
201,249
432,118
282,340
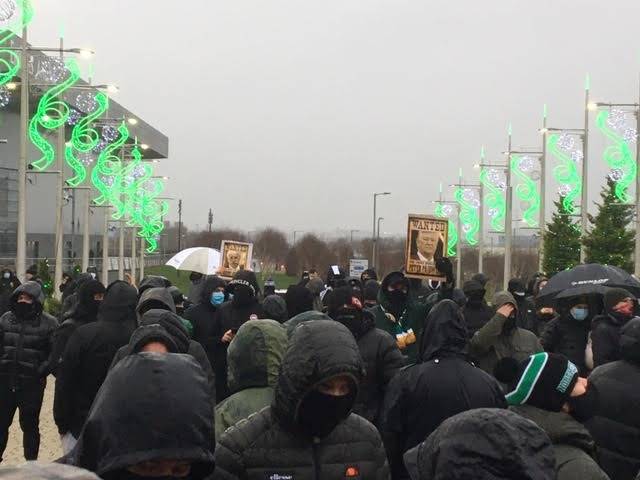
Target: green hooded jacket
x,y
253,358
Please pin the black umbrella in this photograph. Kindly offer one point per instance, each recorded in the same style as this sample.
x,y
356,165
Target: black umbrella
x,y
591,279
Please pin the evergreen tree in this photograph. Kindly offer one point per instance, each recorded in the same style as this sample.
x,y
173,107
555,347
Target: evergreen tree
x,y
561,247
609,240
44,272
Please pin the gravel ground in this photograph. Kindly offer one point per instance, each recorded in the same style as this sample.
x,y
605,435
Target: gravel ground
x,y
49,440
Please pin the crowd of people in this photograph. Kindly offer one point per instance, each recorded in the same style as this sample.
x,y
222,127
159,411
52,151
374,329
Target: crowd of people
x,y
335,378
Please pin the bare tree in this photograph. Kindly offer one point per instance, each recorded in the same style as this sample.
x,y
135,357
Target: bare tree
x,y
271,247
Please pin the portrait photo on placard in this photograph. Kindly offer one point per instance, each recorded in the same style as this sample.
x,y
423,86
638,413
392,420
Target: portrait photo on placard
x,y
236,256
426,243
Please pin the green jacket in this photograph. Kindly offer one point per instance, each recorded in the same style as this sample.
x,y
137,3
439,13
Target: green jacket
x,y
500,338
573,445
253,359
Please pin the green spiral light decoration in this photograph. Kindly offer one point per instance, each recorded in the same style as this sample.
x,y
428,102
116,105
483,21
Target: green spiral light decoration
x,y
566,173
496,201
150,214
526,190
52,113
84,138
618,156
109,166
10,59
453,231
468,216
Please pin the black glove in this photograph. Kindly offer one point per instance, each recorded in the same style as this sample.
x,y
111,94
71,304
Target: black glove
x,y
444,266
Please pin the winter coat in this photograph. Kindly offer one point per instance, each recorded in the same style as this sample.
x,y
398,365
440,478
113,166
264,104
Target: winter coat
x,y
573,445
254,359
445,383
484,444
202,316
70,297
394,322
153,281
501,338
173,325
271,444
569,337
155,298
605,338
476,313
275,308
89,354
291,324
527,318
616,427
25,345
151,406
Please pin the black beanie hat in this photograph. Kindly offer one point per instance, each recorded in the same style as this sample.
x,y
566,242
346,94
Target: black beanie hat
x,y
613,296
545,380
516,287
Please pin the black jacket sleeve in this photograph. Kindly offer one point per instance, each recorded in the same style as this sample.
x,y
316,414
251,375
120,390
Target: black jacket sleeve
x,y
392,424
60,339
390,360
550,337
196,350
605,344
63,405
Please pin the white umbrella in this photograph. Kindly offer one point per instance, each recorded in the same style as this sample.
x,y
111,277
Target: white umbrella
x,y
198,259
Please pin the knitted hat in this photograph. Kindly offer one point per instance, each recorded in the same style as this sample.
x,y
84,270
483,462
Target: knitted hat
x,y
613,296
545,380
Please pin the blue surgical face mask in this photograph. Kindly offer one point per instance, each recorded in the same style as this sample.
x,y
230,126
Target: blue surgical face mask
x,y
217,298
579,313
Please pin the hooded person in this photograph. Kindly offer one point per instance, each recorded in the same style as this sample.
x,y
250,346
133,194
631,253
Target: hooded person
x,y
229,318
70,302
481,278
442,384
153,281
547,389
172,326
291,324
381,356
269,287
616,425
368,274
568,332
88,355
32,275
155,298
26,336
370,293
476,312
501,337
275,308
152,418
526,314
308,431
619,306
254,359
88,299
299,299
45,471
316,287
202,314
483,444
178,300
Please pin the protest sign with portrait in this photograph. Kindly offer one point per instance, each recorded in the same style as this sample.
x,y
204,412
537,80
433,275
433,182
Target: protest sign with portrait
x,y
236,256
426,242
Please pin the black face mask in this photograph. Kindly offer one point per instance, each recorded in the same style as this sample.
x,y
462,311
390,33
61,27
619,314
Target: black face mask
x,y
92,306
585,406
350,318
25,311
242,295
475,298
397,298
320,413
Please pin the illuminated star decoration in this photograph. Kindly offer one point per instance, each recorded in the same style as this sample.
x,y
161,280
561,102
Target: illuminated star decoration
x,y
495,187
526,190
613,124
563,147
443,210
469,217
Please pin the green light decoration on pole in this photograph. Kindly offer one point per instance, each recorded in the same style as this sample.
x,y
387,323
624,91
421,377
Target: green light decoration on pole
x,y
526,190
105,175
468,214
562,146
52,113
618,156
150,213
84,138
445,211
495,198
14,16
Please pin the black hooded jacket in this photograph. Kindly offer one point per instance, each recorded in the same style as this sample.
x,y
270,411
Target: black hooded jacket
x,y
567,336
153,281
616,427
476,312
442,384
70,297
25,345
172,325
155,298
88,355
270,444
152,406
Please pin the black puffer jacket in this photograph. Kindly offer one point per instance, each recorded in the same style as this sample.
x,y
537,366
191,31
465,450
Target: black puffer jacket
x,y
484,444
25,345
616,427
174,327
89,354
443,384
151,406
270,444
605,338
569,337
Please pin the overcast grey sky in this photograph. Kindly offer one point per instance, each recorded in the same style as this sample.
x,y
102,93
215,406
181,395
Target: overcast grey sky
x,y
292,113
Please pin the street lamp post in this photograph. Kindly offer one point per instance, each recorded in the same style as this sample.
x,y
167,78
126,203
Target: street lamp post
x,y
543,190
380,219
508,221
373,235
584,208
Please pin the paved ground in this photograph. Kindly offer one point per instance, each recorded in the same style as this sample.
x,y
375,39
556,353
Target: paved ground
x,y
50,441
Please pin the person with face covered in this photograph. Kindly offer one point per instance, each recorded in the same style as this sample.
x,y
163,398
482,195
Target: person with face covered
x,y
619,308
476,312
88,299
443,383
243,307
568,333
501,337
526,313
308,432
381,356
26,334
547,389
